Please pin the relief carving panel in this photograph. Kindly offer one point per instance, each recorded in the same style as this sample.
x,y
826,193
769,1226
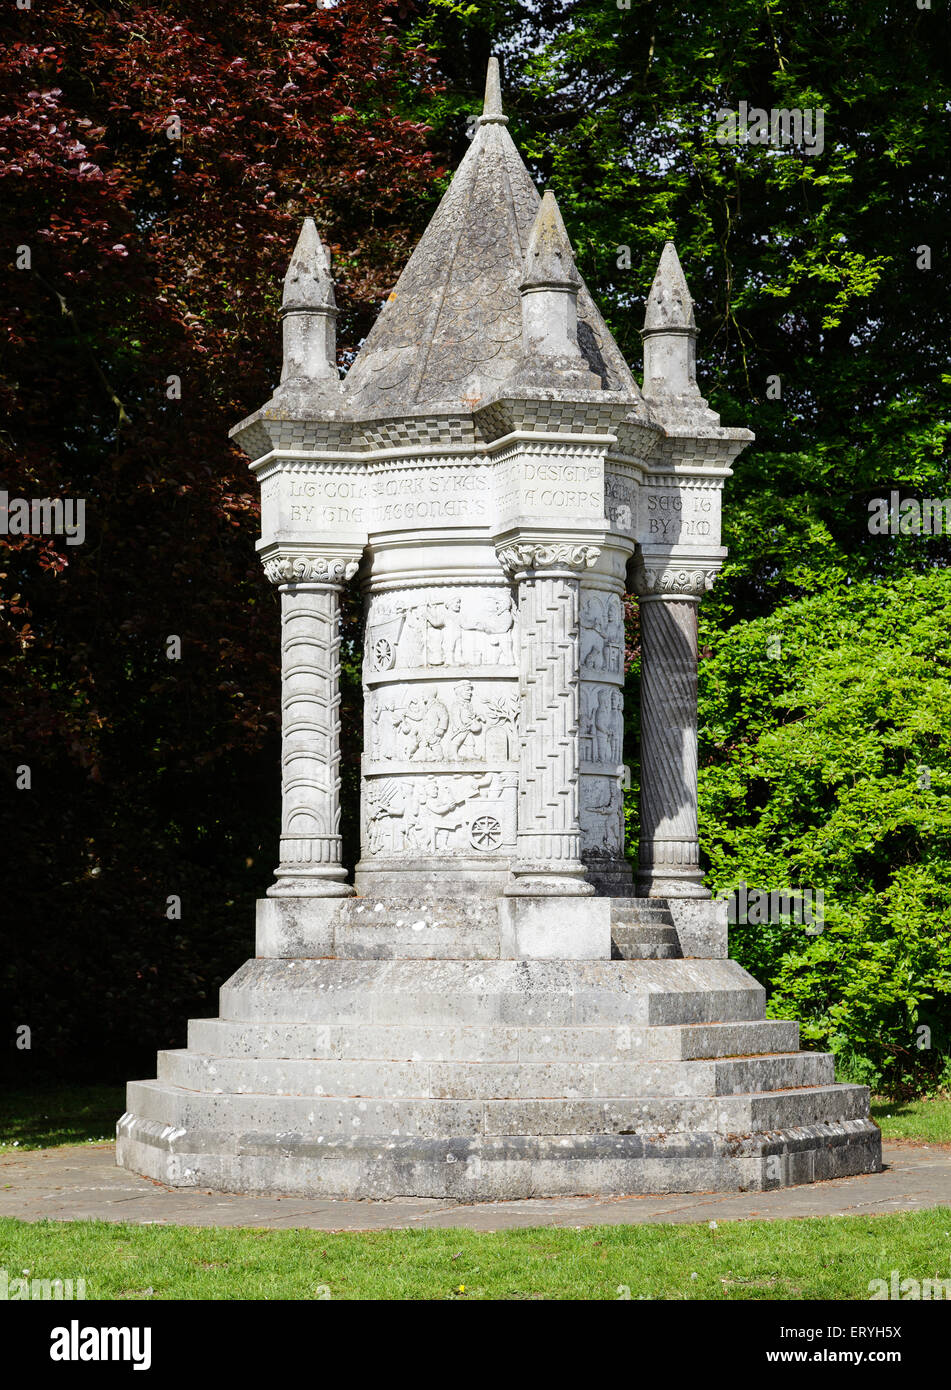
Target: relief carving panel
x,y
453,627
425,815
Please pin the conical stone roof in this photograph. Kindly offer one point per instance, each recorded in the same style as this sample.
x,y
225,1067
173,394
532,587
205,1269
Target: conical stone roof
x,y
451,332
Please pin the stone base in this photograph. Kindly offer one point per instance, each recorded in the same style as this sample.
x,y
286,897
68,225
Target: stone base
x,y
507,1168
551,928
399,879
479,1079
471,928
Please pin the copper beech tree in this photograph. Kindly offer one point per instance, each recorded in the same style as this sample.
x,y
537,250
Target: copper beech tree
x,y
155,165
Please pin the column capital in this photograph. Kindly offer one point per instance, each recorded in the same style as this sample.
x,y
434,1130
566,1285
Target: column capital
x,y
674,578
327,565
521,556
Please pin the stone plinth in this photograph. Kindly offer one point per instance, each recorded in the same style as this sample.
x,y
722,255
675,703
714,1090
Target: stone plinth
x,y
491,1079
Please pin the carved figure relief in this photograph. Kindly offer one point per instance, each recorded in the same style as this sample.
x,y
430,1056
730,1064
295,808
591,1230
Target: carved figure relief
x,y
602,724
602,633
441,628
439,723
439,814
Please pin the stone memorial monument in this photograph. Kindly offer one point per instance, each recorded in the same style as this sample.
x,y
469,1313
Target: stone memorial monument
x,y
499,1005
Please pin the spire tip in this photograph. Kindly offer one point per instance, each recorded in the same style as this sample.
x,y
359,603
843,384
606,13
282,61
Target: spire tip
x,y
492,106
669,304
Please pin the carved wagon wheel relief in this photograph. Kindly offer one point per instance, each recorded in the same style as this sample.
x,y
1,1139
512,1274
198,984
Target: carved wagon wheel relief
x,y
382,654
486,833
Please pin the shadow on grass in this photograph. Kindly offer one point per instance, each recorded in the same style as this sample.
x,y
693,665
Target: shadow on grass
x,y
921,1121
43,1116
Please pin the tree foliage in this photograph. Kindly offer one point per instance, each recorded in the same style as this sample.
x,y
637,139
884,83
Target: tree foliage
x,y
157,161
827,764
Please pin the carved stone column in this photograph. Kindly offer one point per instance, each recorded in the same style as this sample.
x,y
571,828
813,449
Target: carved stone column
x,y
310,863
548,583
669,851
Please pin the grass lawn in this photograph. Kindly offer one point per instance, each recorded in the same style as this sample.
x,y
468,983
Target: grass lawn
x,y
42,1117
928,1121
829,1257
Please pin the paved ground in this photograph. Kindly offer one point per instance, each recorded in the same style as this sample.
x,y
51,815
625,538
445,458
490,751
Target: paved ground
x,y
71,1184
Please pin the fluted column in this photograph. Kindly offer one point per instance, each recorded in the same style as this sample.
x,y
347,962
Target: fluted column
x,y
669,852
310,857
548,584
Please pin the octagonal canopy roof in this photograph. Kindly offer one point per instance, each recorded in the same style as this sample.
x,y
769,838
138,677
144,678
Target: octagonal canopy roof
x,y
451,331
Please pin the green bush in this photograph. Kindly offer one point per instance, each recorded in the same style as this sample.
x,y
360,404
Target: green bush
x,y
825,754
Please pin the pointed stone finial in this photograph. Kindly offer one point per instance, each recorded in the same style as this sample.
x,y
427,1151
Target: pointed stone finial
x,y
492,106
308,283
669,304
670,333
549,260
549,289
308,315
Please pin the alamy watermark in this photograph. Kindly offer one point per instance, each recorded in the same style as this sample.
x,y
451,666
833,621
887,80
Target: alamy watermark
x,y
43,516
907,516
755,907
21,1288
897,1288
779,127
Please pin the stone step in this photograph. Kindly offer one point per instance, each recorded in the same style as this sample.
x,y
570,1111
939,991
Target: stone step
x,y
484,1168
540,992
399,1080
637,911
640,942
489,1043
324,1117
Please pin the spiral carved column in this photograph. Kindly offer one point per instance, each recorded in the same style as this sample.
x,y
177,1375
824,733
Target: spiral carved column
x,y
310,855
548,584
669,852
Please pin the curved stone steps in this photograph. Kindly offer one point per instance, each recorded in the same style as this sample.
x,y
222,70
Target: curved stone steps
x,y
391,1077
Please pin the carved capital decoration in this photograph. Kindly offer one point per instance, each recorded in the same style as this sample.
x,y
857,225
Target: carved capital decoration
x,y
685,581
309,569
547,556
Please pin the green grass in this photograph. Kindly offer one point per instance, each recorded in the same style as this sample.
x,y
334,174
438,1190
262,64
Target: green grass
x,y
829,1257
42,1117
927,1121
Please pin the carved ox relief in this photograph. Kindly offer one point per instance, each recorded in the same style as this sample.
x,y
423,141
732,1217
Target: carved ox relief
x,y
440,628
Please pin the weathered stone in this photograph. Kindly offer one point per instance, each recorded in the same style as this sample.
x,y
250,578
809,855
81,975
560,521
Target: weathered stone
x,y
491,1009
555,928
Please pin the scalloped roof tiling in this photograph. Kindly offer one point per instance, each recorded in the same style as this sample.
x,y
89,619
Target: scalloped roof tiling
x,y
451,331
